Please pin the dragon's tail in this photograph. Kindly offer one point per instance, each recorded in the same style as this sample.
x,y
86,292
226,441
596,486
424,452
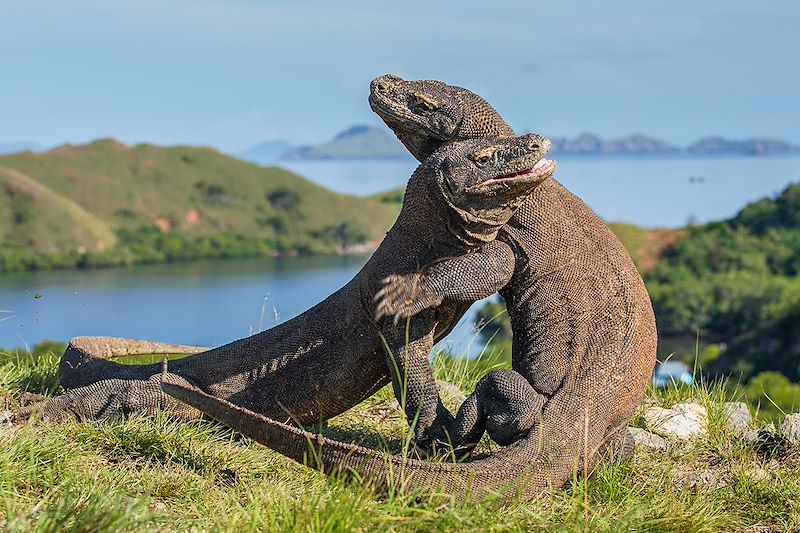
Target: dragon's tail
x,y
516,469
86,359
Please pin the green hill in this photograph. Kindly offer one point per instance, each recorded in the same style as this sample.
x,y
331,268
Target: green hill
x,y
107,203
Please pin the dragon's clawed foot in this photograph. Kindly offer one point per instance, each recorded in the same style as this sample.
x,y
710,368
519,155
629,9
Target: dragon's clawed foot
x,y
401,296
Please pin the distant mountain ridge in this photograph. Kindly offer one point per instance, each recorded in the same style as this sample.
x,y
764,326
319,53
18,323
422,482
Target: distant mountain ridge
x,y
587,143
376,142
265,153
719,145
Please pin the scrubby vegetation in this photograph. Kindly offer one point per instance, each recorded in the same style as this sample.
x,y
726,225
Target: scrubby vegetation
x,y
159,474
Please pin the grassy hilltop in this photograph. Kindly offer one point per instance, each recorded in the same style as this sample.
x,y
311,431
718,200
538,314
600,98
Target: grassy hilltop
x,y
106,203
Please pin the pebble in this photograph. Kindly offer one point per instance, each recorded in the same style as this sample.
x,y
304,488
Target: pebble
x,y
646,439
790,428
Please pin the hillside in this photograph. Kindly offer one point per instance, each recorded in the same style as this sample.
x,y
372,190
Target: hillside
x,y
18,146
109,203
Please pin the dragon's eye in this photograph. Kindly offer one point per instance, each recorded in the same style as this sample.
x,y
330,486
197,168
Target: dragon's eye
x,y
424,103
483,157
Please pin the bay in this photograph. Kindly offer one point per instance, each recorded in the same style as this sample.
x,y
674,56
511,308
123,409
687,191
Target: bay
x,y
207,303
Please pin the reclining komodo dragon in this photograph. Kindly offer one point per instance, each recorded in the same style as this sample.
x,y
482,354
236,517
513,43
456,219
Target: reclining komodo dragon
x,y
331,357
584,332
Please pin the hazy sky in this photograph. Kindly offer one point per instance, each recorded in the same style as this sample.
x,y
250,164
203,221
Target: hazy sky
x,y
234,73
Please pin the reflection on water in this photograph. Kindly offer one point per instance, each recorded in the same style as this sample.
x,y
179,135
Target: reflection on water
x,y
202,303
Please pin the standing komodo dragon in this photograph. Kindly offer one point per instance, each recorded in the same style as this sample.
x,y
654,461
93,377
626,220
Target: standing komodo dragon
x,y
331,357
584,332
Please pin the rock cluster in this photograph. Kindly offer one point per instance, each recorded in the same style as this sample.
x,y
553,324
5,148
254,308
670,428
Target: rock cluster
x,y
685,422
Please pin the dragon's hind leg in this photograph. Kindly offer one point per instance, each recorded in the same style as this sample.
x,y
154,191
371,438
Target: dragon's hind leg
x,y
504,405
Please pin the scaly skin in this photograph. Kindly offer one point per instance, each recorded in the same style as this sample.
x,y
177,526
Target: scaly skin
x,y
331,357
584,332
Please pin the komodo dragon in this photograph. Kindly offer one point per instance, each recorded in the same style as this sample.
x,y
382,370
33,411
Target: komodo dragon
x,y
584,331
575,292
331,357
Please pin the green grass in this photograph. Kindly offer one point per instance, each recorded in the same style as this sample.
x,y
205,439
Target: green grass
x,y
157,474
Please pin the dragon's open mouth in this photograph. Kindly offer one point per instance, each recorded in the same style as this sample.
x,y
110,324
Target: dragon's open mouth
x,y
544,166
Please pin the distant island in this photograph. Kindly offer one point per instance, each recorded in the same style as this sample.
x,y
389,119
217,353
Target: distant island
x,y
353,143
376,142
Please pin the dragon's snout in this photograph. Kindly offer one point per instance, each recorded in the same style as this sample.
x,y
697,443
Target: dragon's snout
x,y
385,83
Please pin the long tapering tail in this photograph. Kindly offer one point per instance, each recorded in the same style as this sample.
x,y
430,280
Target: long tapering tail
x,y
507,471
86,359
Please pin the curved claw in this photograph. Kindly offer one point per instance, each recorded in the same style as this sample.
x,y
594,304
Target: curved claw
x,y
397,296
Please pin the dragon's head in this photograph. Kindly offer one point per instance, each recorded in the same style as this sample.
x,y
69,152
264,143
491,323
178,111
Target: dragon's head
x,y
424,114
483,181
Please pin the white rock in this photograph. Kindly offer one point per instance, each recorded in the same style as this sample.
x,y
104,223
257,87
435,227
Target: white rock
x,y
757,474
684,421
648,440
737,416
790,428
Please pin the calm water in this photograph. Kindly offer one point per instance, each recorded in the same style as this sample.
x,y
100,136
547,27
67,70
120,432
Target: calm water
x,y
206,303
214,302
648,191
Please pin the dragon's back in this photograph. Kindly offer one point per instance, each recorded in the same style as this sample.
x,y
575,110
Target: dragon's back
x,y
581,317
